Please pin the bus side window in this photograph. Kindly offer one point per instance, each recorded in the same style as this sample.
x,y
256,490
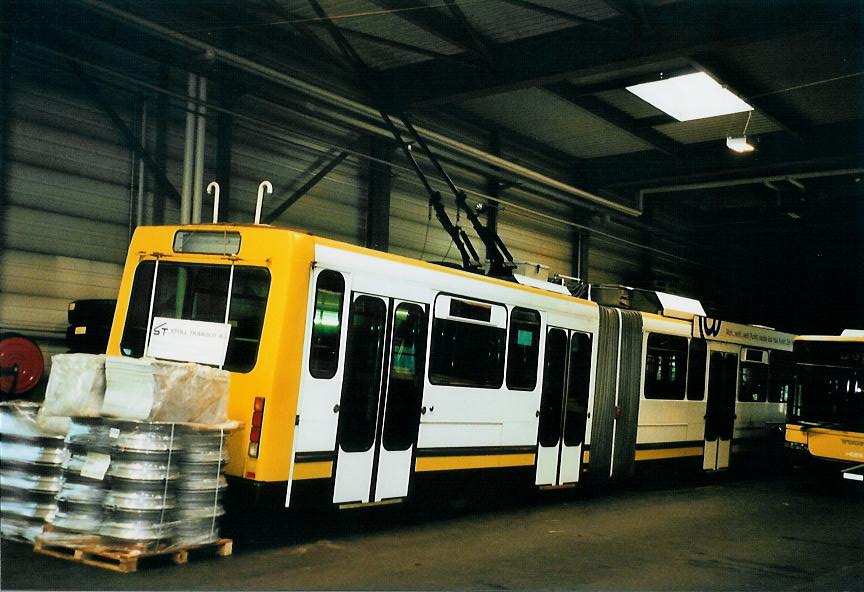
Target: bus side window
x,y
665,367
468,343
326,325
523,348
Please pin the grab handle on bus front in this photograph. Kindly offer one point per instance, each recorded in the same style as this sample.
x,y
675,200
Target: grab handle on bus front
x,y
263,186
213,189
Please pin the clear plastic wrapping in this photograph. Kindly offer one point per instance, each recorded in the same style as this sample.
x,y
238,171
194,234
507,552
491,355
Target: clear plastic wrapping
x,y
17,528
27,508
144,440
78,518
76,386
29,453
207,398
18,420
163,488
55,426
157,390
20,480
90,434
137,470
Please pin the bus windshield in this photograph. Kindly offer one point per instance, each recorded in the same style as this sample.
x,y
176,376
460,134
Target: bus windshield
x,y
830,395
830,385
199,292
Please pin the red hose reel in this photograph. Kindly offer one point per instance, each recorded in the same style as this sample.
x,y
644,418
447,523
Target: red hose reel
x,y
21,365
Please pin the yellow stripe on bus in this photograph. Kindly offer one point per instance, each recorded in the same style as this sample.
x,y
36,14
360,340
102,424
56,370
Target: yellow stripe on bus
x,y
662,453
488,461
313,470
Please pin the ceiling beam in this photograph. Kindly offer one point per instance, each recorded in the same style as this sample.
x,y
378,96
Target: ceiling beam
x,y
632,9
772,107
482,44
616,117
833,146
299,35
434,22
560,14
679,30
561,159
386,42
621,81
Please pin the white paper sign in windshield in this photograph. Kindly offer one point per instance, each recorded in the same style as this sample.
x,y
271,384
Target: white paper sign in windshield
x,y
189,341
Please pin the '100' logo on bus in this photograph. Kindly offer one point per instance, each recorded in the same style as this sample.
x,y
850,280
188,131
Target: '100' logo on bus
x,y
709,330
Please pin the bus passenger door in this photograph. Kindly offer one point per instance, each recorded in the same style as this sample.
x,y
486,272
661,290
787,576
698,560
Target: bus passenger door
x,y
720,409
379,409
402,400
563,407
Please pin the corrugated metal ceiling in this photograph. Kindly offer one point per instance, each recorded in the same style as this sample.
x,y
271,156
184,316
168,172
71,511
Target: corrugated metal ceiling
x,y
717,128
556,122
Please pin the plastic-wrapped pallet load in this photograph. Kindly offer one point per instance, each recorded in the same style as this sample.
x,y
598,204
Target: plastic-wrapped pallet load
x,y
82,492
140,505
155,390
201,489
124,479
30,471
76,388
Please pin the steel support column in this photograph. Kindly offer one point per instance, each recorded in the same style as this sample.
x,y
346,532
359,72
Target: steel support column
x,y
128,135
378,191
6,47
646,278
493,189
224,149
579,253
306,187
160,150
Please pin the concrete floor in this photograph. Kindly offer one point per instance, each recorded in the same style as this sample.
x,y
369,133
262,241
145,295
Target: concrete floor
x,y
727,534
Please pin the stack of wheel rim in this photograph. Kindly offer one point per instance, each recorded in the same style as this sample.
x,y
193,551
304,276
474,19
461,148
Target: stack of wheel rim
x,y
202,485
30,472
140,506
79,500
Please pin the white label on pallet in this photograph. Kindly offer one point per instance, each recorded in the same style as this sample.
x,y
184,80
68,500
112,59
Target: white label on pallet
x,y
189,341
95,465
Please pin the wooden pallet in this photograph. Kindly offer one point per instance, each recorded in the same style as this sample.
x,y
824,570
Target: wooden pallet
x,y
126,560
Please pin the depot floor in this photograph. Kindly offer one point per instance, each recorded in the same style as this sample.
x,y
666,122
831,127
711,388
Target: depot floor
x,y
777,532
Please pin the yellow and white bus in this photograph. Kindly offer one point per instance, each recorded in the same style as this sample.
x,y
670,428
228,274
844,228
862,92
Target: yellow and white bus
x,y
826,412
363,373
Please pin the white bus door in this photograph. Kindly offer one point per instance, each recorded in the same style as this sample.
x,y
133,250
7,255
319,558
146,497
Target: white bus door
x,y
379,411
720,409
563,411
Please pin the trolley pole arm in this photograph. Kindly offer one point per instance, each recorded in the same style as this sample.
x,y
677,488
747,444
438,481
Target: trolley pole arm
x,y
457,235
502,260
459,238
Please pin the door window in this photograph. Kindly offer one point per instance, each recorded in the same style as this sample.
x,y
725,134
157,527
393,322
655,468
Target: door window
x,y
552,397
715,396
696,370
405,386
363,361
326,325
577,389
753,382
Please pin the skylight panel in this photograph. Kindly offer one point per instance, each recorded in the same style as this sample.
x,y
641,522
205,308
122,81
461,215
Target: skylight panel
x,y
689,97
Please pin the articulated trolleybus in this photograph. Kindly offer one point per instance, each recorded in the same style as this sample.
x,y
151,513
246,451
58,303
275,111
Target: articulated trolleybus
x,y
368,374
826,413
